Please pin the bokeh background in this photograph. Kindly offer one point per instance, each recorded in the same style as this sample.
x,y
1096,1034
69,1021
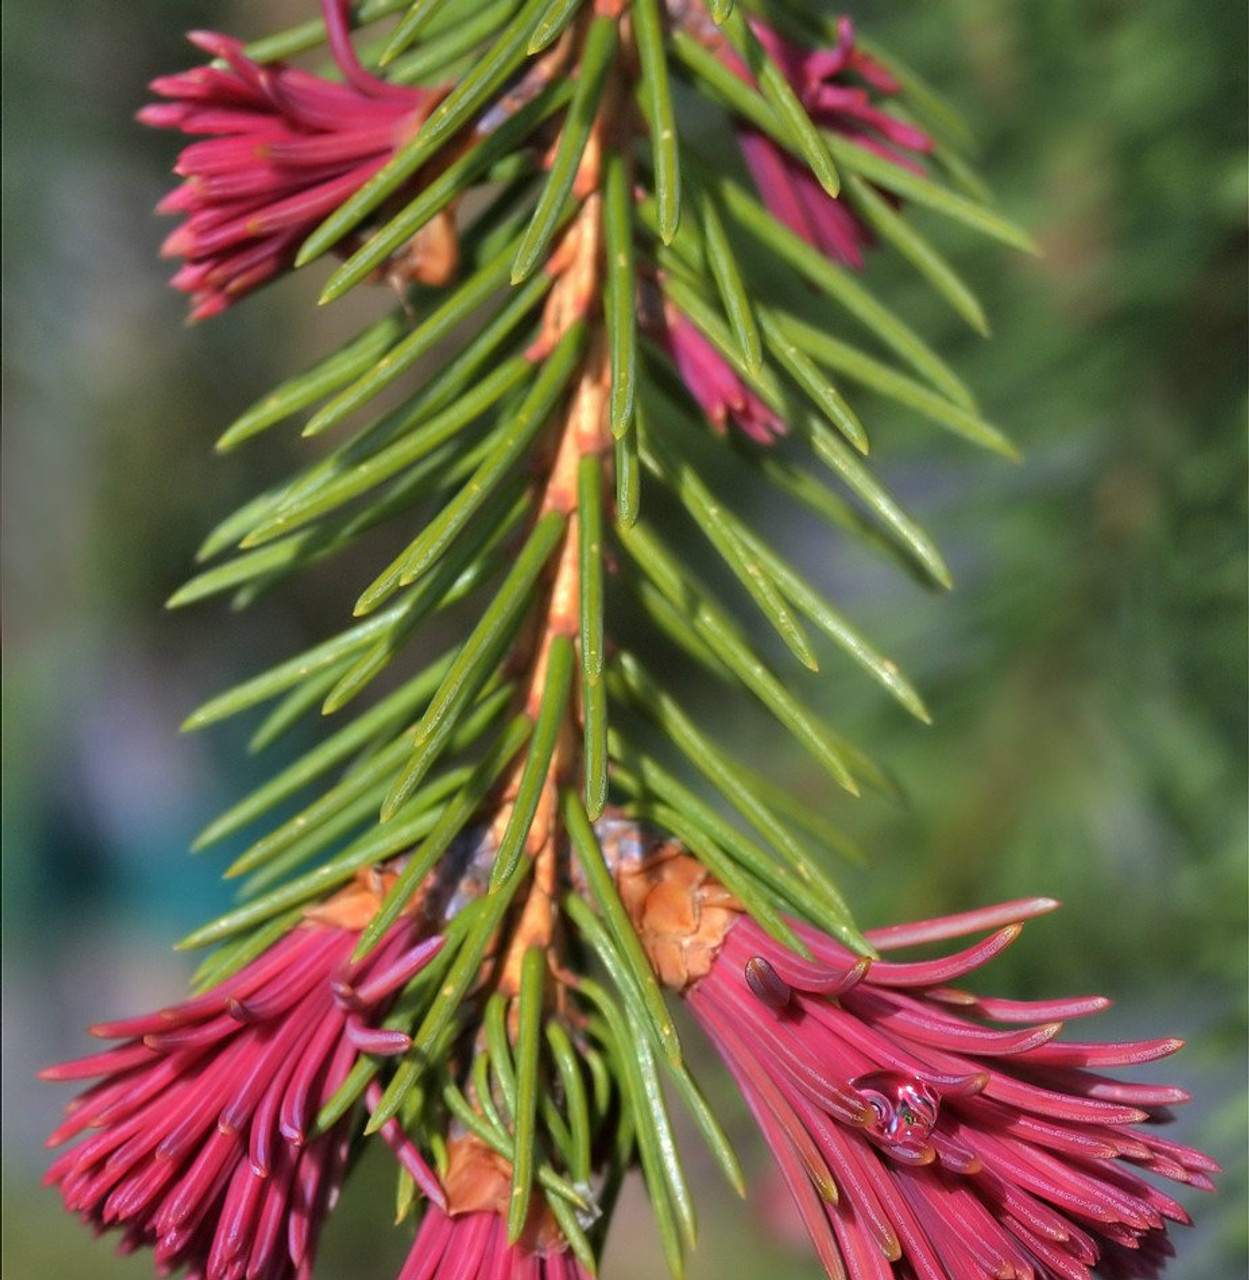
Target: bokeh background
x,y
1087,678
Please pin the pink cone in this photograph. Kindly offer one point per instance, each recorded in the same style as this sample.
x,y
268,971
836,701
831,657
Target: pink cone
x,y
198,1138
842,89
285,149
917,1140
475,1245
710,379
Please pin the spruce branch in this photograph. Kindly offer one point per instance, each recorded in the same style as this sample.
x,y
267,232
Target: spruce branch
x,y
596,340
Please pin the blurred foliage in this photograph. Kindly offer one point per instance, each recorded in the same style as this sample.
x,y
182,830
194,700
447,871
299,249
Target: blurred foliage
x,y
1087,677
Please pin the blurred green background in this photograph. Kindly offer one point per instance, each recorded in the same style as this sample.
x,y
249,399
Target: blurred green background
x,y
1087,678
